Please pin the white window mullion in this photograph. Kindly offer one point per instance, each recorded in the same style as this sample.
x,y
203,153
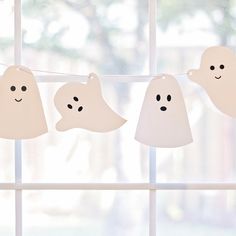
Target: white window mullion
x,y
18,144
220,186
152,151
152,37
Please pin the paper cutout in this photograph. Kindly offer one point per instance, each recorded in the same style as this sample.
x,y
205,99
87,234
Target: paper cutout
x,y
217,76
82,106
163,120
22,115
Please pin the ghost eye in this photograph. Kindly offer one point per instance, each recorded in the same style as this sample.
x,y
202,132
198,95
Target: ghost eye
x,y
80,109
169,98
222,67
13,88
76,99
23,88
158,97
69,106
212,67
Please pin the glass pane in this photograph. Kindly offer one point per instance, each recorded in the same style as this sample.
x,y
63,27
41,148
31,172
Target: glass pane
x,y
6,32
7,213
6,160
83,156
186,28
87,213
196,213
105,36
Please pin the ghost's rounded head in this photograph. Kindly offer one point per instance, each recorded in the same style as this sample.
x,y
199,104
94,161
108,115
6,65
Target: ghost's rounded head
x,y
164,93
217,64
18,85
76,98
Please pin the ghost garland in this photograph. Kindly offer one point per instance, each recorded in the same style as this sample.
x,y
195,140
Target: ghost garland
x,y
163,120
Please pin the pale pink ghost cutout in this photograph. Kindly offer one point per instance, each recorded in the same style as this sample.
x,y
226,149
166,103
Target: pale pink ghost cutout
x,y
163,120
217,75
22,115
82,106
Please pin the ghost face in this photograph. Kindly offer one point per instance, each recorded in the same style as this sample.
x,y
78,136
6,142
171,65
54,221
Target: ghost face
x,y
217,63
82,106
18,91
160,99
216,75
71,102
217,72
164,98
163,119
75,107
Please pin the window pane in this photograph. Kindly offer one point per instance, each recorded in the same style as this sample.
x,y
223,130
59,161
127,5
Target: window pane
x,y
79,155
196,213
186,28
87,213
7,213
6,32
109,37
6,160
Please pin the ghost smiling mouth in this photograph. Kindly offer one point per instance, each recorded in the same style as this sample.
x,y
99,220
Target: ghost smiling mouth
x,y
217,77
18,100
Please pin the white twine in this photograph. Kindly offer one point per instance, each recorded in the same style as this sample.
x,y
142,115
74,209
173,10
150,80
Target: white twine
x,y
69,74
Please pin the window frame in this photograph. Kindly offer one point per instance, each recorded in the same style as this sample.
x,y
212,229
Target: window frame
x,y
152,186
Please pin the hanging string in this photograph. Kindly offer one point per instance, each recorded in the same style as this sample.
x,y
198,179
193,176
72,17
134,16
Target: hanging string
x,y
2,64
54,72
44,71
76,75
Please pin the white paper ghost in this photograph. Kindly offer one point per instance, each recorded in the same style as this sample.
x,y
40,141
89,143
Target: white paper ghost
x,y
22,115
217,75
82,106
163,120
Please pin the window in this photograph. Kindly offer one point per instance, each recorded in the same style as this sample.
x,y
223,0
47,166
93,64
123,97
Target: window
x,y
81,183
